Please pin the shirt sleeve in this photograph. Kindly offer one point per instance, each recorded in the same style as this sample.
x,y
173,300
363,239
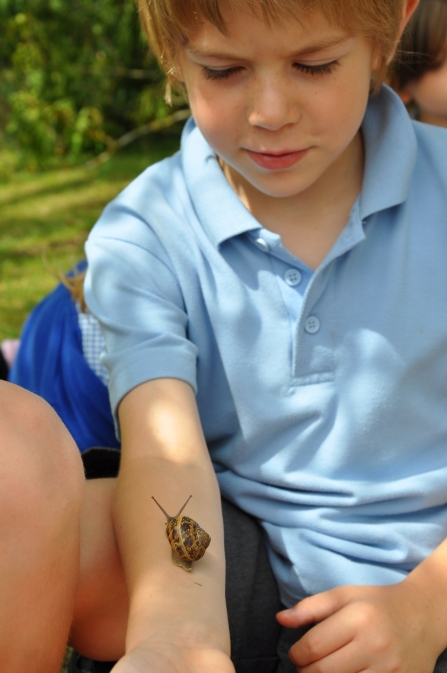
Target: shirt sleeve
x,y
132,289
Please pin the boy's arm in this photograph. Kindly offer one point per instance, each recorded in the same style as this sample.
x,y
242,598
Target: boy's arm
x,y
177,620
400,628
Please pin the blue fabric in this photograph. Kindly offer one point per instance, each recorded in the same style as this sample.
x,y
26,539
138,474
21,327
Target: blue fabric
x,y
50,363
322,395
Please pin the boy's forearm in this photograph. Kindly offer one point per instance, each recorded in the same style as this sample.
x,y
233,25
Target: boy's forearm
x,y
163,595
165,600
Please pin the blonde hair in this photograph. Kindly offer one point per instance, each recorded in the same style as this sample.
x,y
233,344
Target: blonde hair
x,y
74,282
168,23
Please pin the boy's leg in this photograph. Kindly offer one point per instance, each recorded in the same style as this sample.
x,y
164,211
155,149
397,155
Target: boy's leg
x,y
41,490
251,593
101,606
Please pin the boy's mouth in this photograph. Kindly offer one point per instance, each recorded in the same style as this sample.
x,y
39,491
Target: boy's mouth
x,y
276,160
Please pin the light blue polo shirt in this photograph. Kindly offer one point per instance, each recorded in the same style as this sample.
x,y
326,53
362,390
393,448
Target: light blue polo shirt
x,y
323,395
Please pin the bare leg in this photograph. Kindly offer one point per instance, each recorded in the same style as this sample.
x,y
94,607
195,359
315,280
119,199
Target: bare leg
x,y
101,608
41,490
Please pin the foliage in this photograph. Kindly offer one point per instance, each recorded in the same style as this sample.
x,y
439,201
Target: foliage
x,y
73,78
46,217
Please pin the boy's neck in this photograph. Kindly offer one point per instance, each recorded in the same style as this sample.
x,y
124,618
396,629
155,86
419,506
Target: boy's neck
x,y
309,222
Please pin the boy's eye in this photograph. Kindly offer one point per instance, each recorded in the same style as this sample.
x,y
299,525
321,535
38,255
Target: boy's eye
x,y
323,69
211,73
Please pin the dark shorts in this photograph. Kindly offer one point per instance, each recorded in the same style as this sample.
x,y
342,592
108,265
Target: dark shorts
x,y
258,643
3,367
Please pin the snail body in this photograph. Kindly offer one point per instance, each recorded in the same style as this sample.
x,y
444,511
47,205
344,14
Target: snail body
x,y
188,540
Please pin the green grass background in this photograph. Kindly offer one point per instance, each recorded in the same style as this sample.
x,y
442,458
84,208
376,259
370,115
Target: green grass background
x,y
45,219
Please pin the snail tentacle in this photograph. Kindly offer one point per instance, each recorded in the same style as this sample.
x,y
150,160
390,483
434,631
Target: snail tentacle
x,y
164,512
182,507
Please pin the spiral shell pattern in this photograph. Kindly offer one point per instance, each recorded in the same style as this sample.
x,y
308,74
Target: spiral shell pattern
x,y
188,541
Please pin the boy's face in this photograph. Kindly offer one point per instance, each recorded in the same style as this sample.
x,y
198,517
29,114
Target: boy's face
x,y
282,106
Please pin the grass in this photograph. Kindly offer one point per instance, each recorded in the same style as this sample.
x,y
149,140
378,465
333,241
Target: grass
x,y
49,215
66,658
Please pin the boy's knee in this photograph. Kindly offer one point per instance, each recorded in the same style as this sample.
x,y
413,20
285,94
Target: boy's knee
x,y
40,465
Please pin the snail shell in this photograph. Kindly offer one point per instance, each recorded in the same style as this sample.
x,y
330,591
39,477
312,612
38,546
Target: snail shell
x,y
188,540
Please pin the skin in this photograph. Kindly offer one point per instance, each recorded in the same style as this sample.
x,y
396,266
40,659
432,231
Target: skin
x,y
123,608
283,91
40,500
396,629
430,95
271,105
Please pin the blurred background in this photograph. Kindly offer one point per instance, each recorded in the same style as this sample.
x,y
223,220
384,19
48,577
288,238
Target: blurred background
x,y
82,112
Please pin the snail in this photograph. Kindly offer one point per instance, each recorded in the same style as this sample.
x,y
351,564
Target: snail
x,y
188,541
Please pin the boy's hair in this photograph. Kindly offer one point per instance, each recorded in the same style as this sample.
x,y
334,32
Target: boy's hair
x,y
75,285
424,43
169,22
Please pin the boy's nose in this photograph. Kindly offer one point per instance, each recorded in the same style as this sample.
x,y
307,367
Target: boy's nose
x,y
271,106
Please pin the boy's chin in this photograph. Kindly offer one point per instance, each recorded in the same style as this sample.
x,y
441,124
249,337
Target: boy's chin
x,y
279,187
278,184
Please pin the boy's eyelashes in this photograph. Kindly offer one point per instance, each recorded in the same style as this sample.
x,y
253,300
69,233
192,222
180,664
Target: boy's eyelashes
x,y
211,73
225,73
323,69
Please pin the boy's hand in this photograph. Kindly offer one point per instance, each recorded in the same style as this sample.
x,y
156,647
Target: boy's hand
x,y
173,658
385,629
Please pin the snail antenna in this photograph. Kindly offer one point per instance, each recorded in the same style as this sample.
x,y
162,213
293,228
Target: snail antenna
x,y
182,507
164,512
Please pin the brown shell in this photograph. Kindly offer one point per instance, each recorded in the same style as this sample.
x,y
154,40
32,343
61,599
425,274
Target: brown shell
x,y
188,541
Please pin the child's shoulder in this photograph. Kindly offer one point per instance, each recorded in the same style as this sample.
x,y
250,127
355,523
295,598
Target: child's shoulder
x,y
177,199
158,195
159,184
172,181
427,192
405,159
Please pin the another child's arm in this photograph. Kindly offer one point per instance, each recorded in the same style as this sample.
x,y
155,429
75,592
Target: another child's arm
x,y
178,620
400,628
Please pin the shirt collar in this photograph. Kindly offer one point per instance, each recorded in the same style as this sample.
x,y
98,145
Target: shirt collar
x,y
390,153
220,211
390,157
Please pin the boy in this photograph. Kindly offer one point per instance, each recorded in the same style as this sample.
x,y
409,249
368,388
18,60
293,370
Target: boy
x,y
273,301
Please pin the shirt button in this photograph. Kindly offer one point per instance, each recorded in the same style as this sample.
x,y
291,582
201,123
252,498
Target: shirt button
x,y
262,245
293,277
312,324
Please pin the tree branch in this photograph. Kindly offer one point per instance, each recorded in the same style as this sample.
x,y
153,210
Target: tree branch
x,y
139,132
